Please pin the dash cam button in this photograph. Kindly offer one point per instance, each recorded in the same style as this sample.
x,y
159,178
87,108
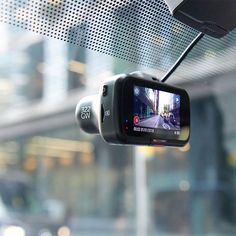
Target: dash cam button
x,y
102,113
104,90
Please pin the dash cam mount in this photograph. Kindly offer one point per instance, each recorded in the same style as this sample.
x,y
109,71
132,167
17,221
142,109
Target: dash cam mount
x,y
212,17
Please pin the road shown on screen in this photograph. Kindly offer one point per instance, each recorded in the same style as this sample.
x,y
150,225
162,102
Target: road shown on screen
x,y
156,122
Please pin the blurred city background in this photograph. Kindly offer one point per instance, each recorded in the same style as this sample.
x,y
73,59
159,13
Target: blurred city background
x,y
57,180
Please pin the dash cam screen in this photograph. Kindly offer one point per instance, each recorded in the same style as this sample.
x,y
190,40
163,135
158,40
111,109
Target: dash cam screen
x,y
155,110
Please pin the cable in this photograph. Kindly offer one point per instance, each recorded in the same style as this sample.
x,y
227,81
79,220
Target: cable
x,y
182,57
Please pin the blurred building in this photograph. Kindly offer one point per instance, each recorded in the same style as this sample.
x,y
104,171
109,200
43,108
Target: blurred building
x,y
69,170
89,185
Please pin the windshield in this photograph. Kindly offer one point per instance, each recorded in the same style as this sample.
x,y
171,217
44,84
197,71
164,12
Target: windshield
x,y
62,52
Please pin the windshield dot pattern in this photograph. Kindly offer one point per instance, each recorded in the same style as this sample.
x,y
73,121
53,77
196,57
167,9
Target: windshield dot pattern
x,y
139,31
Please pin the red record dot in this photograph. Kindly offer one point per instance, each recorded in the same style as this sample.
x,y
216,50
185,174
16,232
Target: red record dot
x,y
136,120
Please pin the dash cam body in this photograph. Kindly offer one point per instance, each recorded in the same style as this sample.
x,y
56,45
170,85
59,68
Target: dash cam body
x,y
137,109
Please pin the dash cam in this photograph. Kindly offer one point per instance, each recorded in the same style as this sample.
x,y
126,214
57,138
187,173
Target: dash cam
x,y
137,109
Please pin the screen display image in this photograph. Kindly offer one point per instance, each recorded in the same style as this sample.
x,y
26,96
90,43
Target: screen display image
x,y
156,109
